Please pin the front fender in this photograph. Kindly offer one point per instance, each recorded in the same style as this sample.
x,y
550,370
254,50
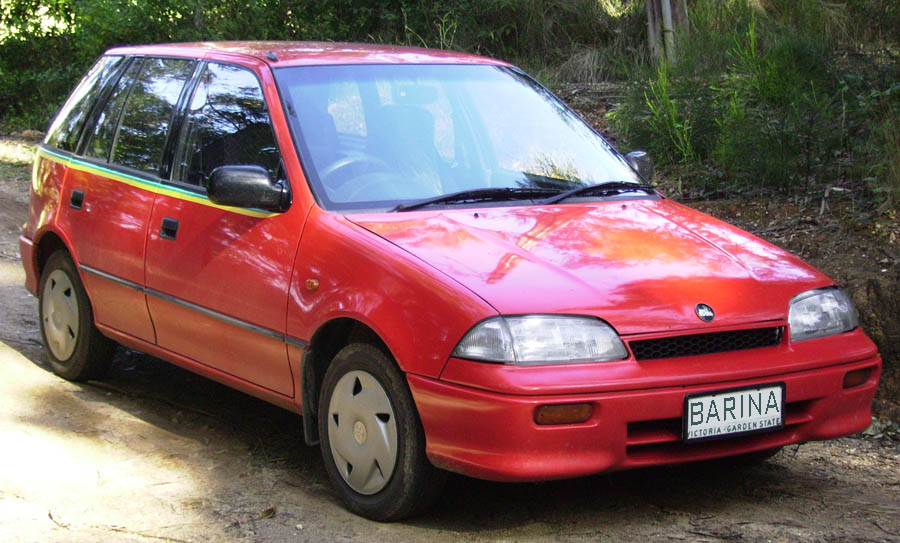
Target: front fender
x,y
418,312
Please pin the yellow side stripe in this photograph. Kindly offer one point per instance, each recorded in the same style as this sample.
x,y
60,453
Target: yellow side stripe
x,y
143,184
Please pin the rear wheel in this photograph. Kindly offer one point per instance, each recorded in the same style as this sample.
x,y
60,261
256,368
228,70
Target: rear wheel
x,y
371,437
76,350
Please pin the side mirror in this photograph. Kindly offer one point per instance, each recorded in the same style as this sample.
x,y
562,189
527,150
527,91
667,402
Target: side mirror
x,y
247,186
642,164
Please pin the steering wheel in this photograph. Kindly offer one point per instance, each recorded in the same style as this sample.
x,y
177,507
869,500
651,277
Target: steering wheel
x,y
373,186
329,174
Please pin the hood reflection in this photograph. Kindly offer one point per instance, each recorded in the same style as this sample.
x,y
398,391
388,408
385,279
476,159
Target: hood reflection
x,y
641,265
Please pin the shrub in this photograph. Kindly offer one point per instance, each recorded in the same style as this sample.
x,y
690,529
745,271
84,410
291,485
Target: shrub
x,y
766,97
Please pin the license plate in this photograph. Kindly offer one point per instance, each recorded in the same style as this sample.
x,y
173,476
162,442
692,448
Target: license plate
x,y
727,413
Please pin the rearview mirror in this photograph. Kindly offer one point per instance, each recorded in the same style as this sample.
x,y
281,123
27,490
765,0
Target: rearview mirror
x,y
247,186
642,164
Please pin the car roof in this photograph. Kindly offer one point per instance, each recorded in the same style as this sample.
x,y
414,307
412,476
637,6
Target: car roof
x,y
299,53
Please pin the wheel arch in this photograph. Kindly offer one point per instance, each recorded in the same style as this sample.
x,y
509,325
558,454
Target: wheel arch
x,y
48,243
329,338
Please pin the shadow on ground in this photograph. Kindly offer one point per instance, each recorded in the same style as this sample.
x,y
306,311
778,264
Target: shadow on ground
x,y
253,478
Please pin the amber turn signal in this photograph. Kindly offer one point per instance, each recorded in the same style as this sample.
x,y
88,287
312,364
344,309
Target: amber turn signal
x,y
857,377
567,413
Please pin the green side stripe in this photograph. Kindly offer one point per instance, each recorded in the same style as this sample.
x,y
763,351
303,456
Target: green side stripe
x,y
154,184
101,169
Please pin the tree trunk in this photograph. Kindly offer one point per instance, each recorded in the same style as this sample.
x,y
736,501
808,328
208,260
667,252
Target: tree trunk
x,y
654,32
680,17
668,30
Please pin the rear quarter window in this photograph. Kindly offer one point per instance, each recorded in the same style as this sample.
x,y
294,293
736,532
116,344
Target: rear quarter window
x,y
66,127
104,129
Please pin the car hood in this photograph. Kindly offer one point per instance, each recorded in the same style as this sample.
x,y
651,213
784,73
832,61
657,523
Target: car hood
x,y
641,265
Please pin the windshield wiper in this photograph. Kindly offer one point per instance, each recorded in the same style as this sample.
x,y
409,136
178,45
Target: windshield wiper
x,y
605,188
474,196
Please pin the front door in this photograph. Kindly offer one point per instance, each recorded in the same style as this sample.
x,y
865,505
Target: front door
x,y
217,277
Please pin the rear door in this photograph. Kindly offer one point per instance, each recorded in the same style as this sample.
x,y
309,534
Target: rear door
x,y
217,276
111,183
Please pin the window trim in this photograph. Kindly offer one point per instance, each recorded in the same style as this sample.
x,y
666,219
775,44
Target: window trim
x,y
138,179
115,137
176,127
298,139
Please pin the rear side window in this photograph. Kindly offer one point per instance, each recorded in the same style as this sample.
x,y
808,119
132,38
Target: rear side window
x,y
63,133
148,113
104,130
227,123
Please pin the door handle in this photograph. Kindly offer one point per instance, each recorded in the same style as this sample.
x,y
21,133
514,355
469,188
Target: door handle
x,y
169,228
77,199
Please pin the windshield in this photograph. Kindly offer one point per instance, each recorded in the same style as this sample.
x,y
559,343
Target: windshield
x,y
379,136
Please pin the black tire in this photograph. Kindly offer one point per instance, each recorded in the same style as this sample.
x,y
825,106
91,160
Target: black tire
x,y
90,353
414,483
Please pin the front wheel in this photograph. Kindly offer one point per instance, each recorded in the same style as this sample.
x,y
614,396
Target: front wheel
x,y
372,440
76,350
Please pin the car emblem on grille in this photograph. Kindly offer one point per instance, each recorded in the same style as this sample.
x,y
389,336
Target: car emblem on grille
x,y
705,312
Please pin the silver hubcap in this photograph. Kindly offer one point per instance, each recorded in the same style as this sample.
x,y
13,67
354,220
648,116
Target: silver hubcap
x,y
60,309
362,432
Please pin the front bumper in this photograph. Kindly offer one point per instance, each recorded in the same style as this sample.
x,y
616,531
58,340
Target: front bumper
x,y
493,435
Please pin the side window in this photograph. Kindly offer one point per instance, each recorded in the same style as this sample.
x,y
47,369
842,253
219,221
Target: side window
x,y
148,113
63,133
227,123
104,129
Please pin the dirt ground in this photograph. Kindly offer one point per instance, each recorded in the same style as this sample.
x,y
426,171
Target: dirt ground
x,y
154,453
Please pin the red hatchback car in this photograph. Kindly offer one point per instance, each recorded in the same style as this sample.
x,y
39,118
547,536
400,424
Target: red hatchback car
x,y
430,257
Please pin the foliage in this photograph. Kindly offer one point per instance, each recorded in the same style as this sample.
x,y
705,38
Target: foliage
x,y
778,95
769,95
46,44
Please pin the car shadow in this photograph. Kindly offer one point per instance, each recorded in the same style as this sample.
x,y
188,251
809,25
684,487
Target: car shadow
x,y
192,406
690,490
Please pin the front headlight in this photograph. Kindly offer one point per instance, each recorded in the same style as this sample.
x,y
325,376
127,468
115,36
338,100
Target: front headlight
x,y
821,312
533,340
